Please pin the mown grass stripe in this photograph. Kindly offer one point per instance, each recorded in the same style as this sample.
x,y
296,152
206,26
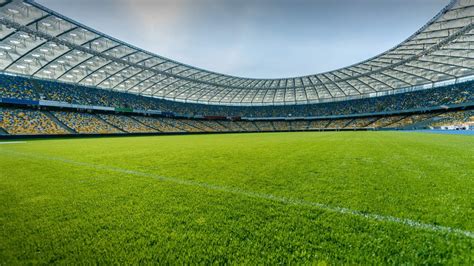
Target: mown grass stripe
x,y
237,191
12,142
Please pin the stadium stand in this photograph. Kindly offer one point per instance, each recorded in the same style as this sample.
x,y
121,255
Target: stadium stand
x,y
158,124
196,126
215,125
409,120
265,126
127,124
361,122
339,123
300,125
248,126
28,122
16,88
175,124
85,123
29,89
454,120
281,125
232,126
387,121
23,120
319,124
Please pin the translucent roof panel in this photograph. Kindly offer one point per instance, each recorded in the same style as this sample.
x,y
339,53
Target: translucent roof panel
x,y
38,42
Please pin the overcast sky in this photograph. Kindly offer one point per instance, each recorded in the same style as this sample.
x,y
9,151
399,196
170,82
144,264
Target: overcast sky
x,y
256,38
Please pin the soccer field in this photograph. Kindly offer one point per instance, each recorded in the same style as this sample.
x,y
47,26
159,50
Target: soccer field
x,y
329,197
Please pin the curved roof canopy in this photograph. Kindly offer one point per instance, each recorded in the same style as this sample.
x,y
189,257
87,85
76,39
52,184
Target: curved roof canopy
x,y
36,41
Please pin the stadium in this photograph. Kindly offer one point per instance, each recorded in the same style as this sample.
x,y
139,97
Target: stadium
x,y
113,154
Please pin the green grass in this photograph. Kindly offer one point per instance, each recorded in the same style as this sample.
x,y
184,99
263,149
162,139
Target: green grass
x,y
247,198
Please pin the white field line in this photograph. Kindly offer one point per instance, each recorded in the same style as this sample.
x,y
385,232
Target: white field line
x,y
12,142
370,216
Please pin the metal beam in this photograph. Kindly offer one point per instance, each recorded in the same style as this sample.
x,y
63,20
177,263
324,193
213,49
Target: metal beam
x,y
105,66
34,48
80,62
29,24
60,55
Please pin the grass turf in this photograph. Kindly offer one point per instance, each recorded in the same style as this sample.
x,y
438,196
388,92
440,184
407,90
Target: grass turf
x,y
216,198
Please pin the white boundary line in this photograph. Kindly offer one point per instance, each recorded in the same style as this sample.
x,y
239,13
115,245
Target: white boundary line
x,y
284,200
12,142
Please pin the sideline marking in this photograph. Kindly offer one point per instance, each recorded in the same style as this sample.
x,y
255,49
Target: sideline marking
x,y
12,142
237,191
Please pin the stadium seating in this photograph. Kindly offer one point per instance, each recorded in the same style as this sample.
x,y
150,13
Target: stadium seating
x,y
386,122
127,124
300,125
84,123
361,123
22,88
195,126
339,123
158,124
248,126
265,126
218,127
281,125
456,119
232,126
409,120
28,122
19,121
319,124
17,88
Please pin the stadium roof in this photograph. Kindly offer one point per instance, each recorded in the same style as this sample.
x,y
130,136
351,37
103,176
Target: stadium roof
x,y
35,41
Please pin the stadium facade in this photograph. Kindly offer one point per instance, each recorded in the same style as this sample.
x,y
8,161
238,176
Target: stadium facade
x,y
57,70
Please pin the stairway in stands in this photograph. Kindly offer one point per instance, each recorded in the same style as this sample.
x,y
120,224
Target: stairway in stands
x,y
110,124
3,131
61,124
424,123
255,124
143,124
38,88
